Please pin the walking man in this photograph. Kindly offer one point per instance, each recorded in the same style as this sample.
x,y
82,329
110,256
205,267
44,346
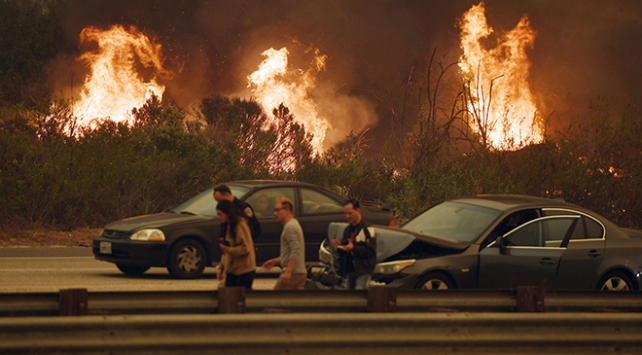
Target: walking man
x,y
292,258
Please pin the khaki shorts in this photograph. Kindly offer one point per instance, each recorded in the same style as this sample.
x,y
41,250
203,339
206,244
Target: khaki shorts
x,y
297,282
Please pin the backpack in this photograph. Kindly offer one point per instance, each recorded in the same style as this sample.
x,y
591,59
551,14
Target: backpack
x,y
255,225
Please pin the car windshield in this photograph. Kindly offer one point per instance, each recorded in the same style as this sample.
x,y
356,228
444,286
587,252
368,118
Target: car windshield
x,y
455,221
204,203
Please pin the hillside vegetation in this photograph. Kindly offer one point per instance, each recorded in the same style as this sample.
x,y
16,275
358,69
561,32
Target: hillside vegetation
x,y
58,176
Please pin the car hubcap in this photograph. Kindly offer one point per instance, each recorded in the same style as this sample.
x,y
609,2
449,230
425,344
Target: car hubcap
x,y
189,259
615,284
435,284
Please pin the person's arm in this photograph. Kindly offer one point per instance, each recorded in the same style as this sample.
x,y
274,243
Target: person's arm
x,y
287,274
293,240
345,244
271,263
220,268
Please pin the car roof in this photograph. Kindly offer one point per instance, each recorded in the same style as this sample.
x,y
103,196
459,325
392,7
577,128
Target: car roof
x,y
266,183
256,184
508,202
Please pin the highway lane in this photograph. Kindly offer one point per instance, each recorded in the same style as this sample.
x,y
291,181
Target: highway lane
x,y
53,269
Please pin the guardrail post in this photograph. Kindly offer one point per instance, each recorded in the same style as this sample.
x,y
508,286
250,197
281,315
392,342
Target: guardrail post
x,y
382,299
231,300
73,302
530,299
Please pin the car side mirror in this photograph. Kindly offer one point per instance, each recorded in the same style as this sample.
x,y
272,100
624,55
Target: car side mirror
x,y
501,244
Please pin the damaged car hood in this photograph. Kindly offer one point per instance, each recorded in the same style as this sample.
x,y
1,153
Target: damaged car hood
x,y
391,241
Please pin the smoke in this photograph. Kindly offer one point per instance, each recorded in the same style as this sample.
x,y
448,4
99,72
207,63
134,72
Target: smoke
x,y
584,48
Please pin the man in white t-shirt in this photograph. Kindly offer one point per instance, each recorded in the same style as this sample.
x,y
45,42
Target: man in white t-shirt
x,y
292,258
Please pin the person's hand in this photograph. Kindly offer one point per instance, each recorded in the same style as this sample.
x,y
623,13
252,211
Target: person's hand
x,y
286,276
222,246
349,246
219,274
269,264
336,243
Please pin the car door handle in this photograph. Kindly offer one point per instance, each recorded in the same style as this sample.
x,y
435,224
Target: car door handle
x,y
593,253
547,261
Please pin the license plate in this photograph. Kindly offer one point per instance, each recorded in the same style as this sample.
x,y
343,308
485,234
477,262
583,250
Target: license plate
x,y
105,247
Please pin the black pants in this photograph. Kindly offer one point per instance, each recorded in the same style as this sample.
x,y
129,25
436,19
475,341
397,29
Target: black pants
x,y
244,280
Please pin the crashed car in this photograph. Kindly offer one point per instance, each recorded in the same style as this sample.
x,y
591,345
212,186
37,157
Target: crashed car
x,y
506,241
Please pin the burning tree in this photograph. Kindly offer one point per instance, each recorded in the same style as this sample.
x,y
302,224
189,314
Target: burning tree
x,y
267,146
501,108
114,85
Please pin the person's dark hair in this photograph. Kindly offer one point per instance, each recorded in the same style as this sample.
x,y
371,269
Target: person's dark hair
x,y
234,214
224,189
353,202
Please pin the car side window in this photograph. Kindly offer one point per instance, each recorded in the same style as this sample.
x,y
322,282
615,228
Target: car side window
x,y
314,202
594,230
511,222
527,236
546,232
263,201
556,230
587,227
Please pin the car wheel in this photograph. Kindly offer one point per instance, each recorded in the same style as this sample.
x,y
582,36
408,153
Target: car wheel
x,y
435,281
187,259
132,269
615,281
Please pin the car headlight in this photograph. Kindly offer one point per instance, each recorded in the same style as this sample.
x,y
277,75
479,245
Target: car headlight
x,y
149,235
393,267
325,255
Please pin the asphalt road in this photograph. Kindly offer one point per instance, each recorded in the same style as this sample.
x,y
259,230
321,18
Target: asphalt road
x,y
53,269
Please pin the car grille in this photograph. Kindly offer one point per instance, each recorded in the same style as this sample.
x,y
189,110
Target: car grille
x,y
112,234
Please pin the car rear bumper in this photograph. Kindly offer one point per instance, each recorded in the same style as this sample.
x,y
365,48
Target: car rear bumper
x,y
130,253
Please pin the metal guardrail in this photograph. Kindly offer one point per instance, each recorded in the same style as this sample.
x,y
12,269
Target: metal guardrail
x,y
381,299
323,333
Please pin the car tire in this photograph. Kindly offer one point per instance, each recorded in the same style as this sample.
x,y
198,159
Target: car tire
x,y
133,270
187,260
615,281
435,281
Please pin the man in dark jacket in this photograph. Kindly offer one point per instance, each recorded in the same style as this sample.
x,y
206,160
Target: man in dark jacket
x,y
223,192
357,248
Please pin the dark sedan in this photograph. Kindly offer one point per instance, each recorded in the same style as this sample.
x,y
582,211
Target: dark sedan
x,y
505,241
183,240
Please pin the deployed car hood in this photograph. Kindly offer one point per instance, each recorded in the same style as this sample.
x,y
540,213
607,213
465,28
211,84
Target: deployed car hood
x,y
391,241
157,220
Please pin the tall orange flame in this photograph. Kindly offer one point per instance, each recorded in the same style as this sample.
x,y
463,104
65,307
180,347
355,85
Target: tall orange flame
x,y
114,85
274,83
504,112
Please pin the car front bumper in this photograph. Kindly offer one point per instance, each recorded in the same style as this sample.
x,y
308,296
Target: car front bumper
x,y
127,252
398,280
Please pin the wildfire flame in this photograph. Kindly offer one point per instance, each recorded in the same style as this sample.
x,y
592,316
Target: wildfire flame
x,y
501,101
274,83
114,85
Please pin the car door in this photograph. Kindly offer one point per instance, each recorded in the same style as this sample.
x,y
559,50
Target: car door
x,y
584,253
315,213
263,201
529,255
